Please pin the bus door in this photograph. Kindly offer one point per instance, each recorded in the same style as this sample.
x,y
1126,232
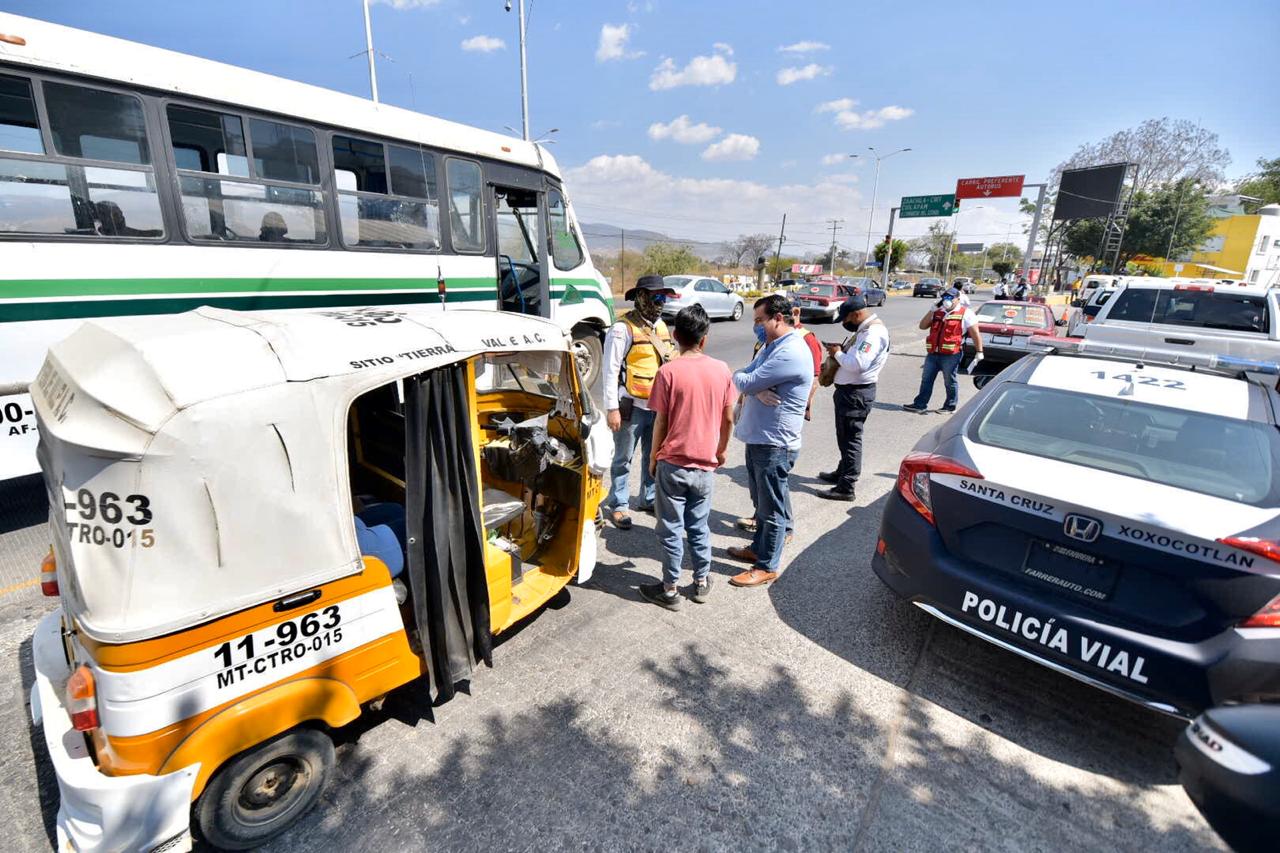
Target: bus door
x,y
520,212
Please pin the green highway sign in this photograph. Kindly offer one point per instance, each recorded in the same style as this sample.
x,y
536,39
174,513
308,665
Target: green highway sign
x,y
927,205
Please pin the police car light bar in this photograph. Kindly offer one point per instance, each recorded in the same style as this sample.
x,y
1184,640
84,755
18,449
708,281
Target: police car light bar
x,y
1208,361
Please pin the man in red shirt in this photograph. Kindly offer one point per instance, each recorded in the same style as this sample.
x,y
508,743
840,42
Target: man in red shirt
x,y
692,400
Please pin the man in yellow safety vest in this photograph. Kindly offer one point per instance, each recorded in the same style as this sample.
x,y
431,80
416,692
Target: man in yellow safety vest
x,y
634,348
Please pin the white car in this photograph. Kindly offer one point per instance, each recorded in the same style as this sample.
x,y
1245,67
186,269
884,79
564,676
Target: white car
x,y
1110,516
1088,306
1192,316
717,299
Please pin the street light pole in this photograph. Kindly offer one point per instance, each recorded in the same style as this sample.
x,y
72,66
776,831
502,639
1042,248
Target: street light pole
x,y
875,187
368,43
888,252
524,78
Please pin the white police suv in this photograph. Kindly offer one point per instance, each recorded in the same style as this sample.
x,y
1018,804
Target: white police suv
x,y
1109,516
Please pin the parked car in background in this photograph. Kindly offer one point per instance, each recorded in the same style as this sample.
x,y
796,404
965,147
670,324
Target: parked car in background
x,y
1192,316
1007,329
714,297
930,287
965,285
900,284
1087,307
874,293
821,300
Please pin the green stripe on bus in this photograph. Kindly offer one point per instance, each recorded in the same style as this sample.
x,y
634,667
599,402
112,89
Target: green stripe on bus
x,y
16,312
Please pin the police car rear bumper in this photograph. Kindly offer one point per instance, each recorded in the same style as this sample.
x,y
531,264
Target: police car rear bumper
x,y
96,811
1174,677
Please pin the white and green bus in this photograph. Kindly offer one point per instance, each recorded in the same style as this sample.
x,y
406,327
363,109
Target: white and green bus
x,y
135,180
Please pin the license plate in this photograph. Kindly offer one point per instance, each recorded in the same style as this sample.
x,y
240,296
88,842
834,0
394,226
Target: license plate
x,y
1002,340
1071,570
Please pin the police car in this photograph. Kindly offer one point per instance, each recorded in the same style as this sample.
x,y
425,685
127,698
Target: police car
x,y
1113,518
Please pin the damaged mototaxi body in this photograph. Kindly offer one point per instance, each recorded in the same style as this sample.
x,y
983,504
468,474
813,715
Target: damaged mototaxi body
x,y
208,474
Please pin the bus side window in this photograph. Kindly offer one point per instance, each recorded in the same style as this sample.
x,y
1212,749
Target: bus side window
x,y
566,251
399,213
227,198
58,194
466,205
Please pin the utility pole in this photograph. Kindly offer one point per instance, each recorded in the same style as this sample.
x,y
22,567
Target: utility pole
x,y
368,43
1035,228
888,252
835,224
778,254
524,79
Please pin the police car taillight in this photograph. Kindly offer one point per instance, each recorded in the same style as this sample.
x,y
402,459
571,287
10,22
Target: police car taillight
x,y
82,699
913,478
1267,548
1267,617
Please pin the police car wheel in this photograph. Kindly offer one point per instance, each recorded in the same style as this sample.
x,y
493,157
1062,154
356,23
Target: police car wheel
x,y
260,793
588,355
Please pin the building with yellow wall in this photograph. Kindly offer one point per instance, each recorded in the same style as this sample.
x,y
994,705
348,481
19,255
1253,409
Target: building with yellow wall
x,y
1244,247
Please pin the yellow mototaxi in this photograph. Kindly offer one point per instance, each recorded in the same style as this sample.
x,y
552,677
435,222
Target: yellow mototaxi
x,y
262,523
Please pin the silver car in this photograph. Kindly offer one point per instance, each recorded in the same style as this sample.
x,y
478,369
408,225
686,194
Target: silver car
x,y
714,297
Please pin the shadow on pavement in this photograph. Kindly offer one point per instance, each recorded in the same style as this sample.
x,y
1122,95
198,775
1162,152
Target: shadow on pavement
x,y
1047,713
743,767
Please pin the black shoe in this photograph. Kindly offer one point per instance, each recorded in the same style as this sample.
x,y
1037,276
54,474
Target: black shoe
x,y
947,410
912,407
829,477
645,508
700,591
837,494
657,593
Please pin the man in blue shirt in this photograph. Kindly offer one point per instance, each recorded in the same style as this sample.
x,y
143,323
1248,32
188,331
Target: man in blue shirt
x,y
775,387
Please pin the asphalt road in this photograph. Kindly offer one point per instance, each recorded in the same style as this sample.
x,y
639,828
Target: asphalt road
x,y
819,713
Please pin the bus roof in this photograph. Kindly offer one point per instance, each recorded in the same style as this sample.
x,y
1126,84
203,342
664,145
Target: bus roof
x,y
72,51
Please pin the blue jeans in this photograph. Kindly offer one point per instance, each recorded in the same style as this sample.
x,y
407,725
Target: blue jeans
x,y
755,504
948,366
684,505
769,467
638,430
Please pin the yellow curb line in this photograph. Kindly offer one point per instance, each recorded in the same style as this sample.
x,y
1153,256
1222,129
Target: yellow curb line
x,y
17,586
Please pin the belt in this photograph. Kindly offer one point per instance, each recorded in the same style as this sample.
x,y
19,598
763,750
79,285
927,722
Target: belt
x,y
862,387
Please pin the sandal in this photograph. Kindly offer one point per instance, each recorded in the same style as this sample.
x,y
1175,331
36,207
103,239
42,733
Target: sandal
x,y
620,519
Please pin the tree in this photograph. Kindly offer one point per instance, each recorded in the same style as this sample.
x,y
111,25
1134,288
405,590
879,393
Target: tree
x,y
1165,222
934,245
1264,185
1003,268
1165,150
745,248
900,249
780,267
667,259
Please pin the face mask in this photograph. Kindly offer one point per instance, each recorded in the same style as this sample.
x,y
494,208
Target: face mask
x,y
850,325
946,304
760,336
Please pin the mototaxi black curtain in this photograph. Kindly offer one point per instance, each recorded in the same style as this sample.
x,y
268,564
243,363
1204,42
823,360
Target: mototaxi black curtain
x,y
443,528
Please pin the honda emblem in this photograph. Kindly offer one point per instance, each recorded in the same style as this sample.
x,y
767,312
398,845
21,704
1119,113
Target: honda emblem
x,y
1081,527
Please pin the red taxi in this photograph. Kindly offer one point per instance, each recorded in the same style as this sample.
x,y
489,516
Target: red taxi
x,y
1007,328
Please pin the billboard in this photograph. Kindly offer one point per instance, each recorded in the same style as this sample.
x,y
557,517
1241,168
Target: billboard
x,y
1090,193
970,248
806,269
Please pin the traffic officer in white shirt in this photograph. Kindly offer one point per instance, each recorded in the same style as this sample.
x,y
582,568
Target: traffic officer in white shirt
x,y
861,359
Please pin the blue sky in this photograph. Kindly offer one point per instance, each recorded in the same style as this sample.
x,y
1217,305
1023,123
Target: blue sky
x,y
955,82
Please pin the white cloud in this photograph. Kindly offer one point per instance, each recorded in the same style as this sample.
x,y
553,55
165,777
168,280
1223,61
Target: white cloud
x,y
812,71
682,129
735,146
847,118
838,105
400,5
613,43
483,44
463,20
723,47
701,71
834,159
605,123
723,207
804,47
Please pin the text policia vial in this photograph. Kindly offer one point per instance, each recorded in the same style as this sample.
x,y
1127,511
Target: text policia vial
x,y
1058,638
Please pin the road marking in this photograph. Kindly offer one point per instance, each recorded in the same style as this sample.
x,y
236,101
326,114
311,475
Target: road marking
x,y
17,586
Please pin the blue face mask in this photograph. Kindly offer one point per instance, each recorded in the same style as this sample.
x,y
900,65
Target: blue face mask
x,y
659,299
759,327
